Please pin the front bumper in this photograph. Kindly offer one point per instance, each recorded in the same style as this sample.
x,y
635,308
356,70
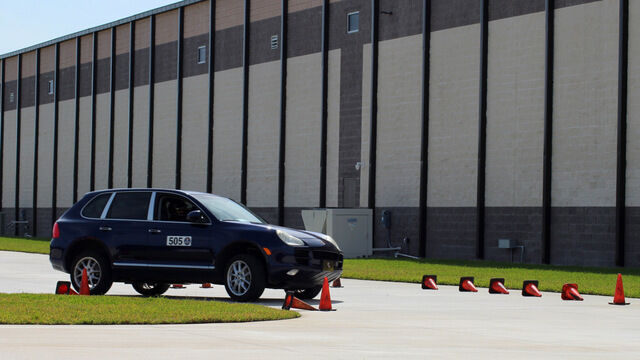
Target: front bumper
x,y
304,268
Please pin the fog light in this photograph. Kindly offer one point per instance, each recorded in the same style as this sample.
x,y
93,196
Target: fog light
x,y
292,272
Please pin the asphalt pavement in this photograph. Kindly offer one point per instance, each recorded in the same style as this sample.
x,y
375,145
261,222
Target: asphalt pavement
x,y
372,320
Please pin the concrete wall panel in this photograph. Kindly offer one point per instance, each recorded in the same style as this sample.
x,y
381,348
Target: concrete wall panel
x,y
633,118
66,128
167,27
264,9
102,141
229,13
27,126
399,122
121,138
453,118
263,134
140,146
227,133
84,146
515,111
333,126
304,125
141,40
164,134
365,129
196,19
45,155
195,99
299,5
585,105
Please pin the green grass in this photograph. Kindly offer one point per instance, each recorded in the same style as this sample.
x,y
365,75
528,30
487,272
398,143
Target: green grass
x,y
111,310
597,281
24,245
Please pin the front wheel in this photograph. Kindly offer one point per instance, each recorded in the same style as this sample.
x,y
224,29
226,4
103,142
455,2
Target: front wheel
x,y
244,278
98,272
150,289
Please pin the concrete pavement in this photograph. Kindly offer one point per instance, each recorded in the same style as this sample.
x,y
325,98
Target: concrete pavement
x,y
373,320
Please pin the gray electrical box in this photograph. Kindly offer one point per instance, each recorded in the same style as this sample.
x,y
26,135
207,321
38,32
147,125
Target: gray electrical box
x,y
350,228
504,244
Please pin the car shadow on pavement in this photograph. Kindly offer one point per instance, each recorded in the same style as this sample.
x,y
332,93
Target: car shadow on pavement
x,y
261,301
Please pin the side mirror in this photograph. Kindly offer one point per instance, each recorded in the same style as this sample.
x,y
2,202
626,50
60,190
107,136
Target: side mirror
x,y
196,216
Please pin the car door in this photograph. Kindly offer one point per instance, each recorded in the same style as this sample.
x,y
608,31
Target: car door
x,y
126,220
178,243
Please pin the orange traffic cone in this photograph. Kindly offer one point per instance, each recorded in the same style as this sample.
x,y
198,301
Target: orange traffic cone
x,y
496,286
618,298
325,297
466,284
430,282
178,286
206,286
530,288
84,285
336,283
290,301
570,292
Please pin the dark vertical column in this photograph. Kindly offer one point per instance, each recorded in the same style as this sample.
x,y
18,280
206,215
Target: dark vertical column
x,y
1,135
325,84
17,173
211,68
373,137
76,122
94,63
424,141
548,131
179,99
621,166
36,127
245,101
54,165
283,109
112,85
132,52
482,129
152,45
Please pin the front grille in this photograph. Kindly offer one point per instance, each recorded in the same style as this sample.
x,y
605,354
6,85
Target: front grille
x,y
326,255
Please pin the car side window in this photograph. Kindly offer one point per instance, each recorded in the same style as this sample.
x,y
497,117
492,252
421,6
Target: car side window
x,y
170,207
94,208
130,205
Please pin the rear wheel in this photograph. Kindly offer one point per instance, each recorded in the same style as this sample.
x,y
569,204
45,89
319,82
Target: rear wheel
x,y
98,272
244,278
309,293
150,289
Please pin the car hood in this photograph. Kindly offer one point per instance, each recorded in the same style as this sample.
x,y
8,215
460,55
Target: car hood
x,y
309,237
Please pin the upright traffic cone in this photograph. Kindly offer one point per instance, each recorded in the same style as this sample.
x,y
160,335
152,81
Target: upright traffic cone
x,y
336,283
618,298
496,286
466,284
206,286
290,301
325,297
530,288
84,285
430,282
570,292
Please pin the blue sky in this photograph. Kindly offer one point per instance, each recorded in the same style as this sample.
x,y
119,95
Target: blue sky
x,y
28,22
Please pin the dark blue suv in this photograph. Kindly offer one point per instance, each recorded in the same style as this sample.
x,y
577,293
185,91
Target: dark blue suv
x,y
154,237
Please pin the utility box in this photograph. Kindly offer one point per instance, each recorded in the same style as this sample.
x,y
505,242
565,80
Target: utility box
x,y
504,244
350,228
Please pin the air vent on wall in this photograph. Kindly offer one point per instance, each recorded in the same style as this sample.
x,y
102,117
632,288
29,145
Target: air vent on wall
x,y
274,42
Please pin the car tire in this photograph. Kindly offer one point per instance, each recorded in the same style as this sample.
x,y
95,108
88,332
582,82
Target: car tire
x,y
150,289
308,294
245,278
98,272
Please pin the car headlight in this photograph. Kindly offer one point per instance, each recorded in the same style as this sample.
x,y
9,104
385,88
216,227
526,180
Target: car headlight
x,y
331,240
289,239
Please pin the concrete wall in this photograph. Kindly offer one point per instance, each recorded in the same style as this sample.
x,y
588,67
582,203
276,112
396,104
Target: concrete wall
x,y
333,127
633,140
195,123
164,134
66,143
121,138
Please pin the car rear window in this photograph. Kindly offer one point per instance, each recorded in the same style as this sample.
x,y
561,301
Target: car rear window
x,y
129,205
95,206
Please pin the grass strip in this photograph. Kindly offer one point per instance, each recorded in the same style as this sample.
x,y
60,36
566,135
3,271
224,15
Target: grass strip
x,y
590,280
45,309
24,245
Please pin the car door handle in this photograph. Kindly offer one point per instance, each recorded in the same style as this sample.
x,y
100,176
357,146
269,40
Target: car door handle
x,y
155,231
104,228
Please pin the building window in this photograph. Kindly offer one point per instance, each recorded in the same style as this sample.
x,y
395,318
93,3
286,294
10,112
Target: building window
x,y
274,42
353,22
11,97
202,54
50,87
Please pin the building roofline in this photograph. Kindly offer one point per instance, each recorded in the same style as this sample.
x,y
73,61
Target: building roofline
x,y
103,27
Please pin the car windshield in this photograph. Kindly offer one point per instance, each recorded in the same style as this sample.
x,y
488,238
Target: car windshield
x,y
227,210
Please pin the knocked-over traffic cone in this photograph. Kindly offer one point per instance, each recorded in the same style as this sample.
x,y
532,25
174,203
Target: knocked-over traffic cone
x,y
336,283
63,287
496,286
530,288
466,284
178,286
570,292
290,301
618,298
430,282
325,297
206,286
84,285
